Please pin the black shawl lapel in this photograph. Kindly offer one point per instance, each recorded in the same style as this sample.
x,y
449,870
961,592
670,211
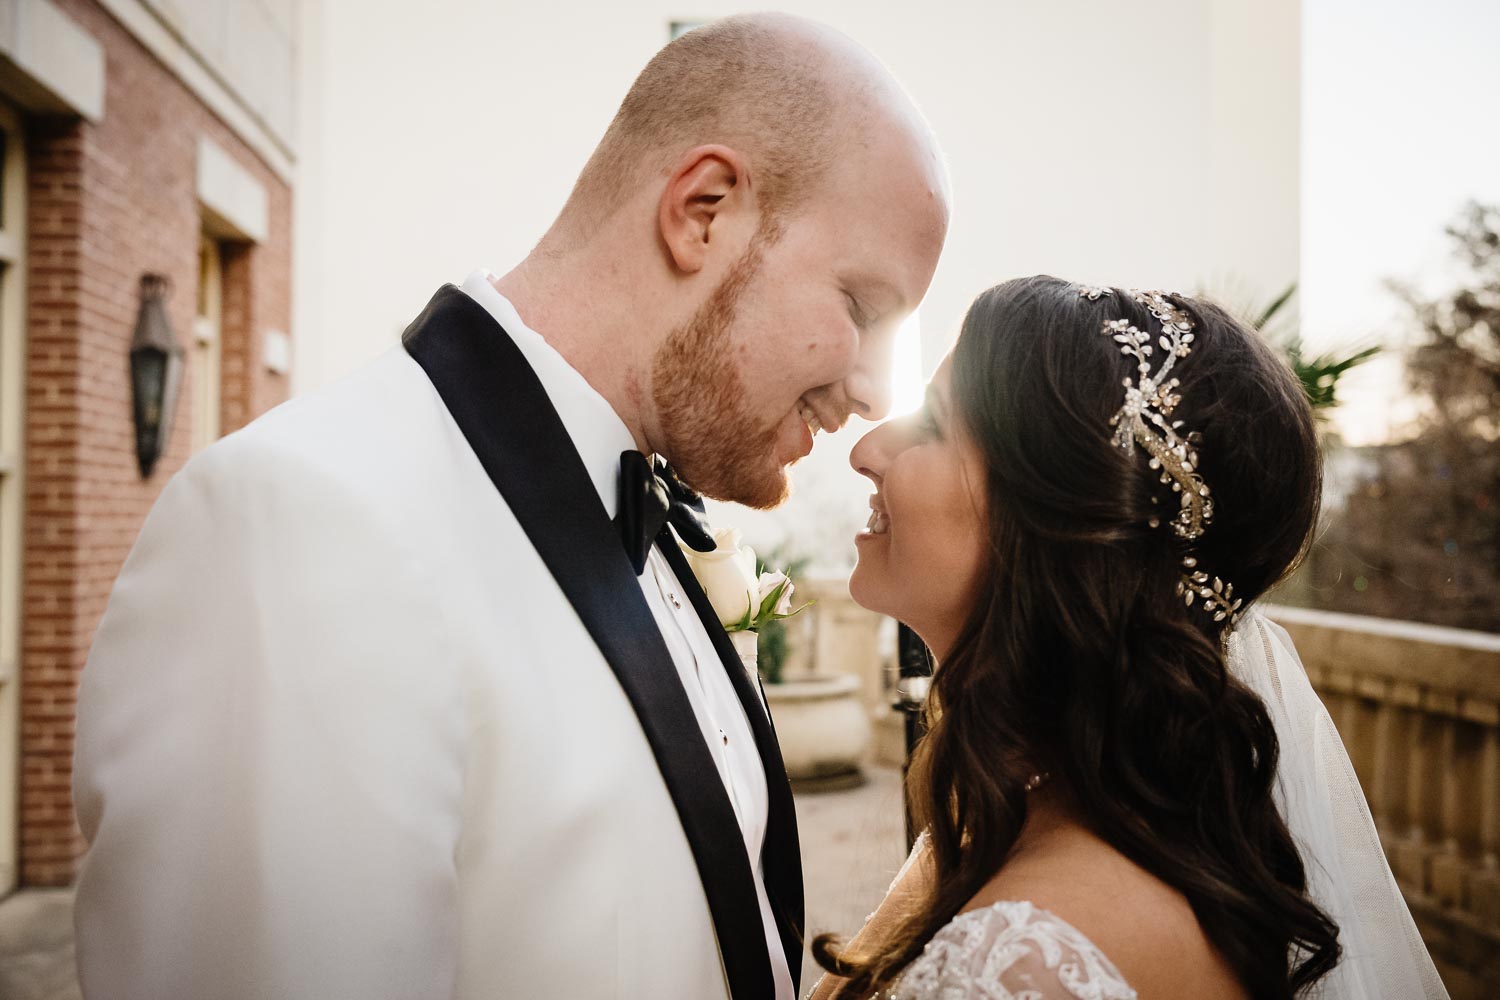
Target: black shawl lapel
x,y
781,858
504,413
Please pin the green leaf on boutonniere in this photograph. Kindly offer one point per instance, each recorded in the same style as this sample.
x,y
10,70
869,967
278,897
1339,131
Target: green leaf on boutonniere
x,y
794,611
768,606
745,623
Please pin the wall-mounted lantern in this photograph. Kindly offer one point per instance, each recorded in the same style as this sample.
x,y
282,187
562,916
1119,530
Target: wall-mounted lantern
x,y
155,372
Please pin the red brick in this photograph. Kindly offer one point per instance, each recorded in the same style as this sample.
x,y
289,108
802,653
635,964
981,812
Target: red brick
x,y
107,202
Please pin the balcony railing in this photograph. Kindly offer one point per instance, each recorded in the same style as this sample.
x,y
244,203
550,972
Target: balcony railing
x,y
1418,708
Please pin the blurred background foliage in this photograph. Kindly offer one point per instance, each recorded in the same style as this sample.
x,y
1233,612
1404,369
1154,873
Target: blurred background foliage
x,y
772,647
1411,528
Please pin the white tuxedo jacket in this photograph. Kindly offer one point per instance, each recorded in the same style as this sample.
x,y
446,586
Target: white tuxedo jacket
x,y
358,723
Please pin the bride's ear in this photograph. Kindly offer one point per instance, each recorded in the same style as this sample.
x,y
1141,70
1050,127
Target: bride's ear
x,y
707,207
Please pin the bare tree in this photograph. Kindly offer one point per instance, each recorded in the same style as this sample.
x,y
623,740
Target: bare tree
x,y
1419,538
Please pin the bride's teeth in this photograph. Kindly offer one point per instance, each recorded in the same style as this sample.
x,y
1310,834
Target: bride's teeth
x,y
879,523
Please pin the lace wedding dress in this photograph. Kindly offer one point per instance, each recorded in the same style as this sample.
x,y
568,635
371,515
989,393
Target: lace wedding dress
x,y
1011,951
1008,951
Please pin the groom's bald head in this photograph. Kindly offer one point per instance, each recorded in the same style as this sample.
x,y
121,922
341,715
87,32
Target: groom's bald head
x,y
737,256
787,93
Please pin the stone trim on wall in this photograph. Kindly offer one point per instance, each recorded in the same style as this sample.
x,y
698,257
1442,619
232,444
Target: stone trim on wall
x,y
47,62
182,62
235,202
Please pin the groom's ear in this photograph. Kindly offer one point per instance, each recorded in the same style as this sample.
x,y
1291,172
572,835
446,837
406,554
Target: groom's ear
x,y
706,206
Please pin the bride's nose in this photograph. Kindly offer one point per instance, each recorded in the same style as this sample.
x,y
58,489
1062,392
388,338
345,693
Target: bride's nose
x,y
872,453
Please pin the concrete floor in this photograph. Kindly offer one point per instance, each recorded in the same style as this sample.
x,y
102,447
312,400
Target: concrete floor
x,y
36,946
852,843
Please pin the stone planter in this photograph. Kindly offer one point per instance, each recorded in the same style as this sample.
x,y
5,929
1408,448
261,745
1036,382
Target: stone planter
x,y
821,721
823,729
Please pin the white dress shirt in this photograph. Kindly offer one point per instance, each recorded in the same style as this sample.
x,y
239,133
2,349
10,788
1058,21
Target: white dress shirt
x,y
600,437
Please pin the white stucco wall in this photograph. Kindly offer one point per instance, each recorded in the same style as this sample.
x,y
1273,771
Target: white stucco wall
x,y
249,44
1154,143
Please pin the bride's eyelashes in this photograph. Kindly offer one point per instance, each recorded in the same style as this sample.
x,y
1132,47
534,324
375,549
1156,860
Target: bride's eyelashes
x,y
928,424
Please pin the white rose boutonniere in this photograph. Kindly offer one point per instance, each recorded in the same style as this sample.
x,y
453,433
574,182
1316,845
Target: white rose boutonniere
x,y
779,585
744,600
727,576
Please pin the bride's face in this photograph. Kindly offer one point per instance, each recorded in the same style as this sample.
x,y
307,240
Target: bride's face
x,y
922,555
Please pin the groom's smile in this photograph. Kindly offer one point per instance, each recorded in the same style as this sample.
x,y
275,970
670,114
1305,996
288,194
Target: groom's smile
x,y
791,313
809,416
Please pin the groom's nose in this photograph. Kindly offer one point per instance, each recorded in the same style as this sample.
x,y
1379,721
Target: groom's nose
x,y
868,387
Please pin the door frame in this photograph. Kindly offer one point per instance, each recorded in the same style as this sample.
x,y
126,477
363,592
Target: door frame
x,y
12,483
208,329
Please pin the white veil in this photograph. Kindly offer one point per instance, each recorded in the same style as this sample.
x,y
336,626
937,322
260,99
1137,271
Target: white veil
x,y
1324,807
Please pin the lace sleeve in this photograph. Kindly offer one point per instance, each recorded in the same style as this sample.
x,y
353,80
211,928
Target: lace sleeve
x,y
918,846
1011,951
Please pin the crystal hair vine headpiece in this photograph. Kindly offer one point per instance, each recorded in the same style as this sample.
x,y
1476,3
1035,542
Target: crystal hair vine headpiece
x,y
1145,419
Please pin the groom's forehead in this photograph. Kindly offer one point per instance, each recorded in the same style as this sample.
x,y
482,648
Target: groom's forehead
x,y
891,228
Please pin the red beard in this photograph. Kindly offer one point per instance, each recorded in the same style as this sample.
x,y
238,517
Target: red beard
x,y
715,444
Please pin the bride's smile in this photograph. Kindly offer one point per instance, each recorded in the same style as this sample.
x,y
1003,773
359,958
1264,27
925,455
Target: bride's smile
x,y
880,521
921,554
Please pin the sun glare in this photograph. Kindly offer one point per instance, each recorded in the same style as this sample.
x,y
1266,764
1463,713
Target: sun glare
x,y
908,382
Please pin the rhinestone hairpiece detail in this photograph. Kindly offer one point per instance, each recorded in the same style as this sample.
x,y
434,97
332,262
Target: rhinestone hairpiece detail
x,y
1145,418
1217,596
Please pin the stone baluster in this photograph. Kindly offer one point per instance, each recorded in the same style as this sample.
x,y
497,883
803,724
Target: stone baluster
x,y
1489,797
1383,777
1450,810
1406,698
1446,866
1409,857
1337,689
1346,720
1484,879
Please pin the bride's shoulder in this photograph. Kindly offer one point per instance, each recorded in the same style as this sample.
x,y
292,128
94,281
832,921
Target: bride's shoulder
x,y
1011,948
1060,920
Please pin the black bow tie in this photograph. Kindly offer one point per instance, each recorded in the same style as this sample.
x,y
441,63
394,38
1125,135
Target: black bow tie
x,y
651,498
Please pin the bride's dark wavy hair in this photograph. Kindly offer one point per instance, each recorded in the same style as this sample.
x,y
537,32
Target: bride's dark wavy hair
x,y
1079,658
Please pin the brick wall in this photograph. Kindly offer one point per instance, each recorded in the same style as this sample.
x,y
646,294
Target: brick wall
x,y
108,202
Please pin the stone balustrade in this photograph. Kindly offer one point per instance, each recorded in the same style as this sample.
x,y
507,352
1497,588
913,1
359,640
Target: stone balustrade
x,y
1418,708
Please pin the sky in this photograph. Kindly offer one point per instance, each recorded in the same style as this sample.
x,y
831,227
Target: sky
x,y
1399,113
